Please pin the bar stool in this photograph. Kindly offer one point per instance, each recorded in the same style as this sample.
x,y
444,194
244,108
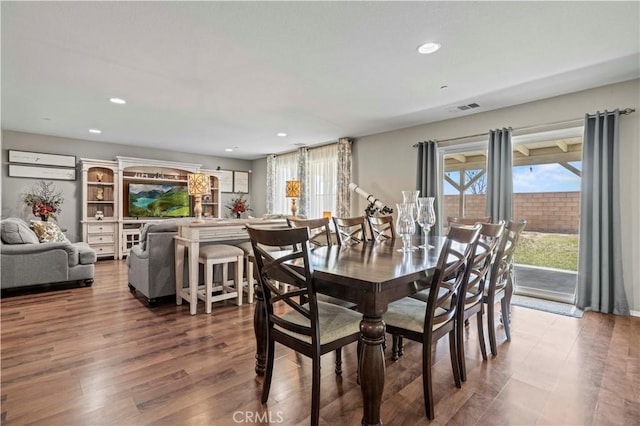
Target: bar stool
x,y
220,254
248,257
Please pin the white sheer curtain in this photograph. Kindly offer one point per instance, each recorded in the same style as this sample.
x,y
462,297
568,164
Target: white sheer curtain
x,y
285,167
322,180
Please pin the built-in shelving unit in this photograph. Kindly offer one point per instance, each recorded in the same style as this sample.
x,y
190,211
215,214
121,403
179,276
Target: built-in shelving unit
x,y
100,206
107,224
146,171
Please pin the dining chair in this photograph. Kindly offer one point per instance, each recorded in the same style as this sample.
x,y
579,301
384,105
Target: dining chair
x,y
456,220
350,230
427,322
382,227
319,230
500,287
311,328
319,236
471,304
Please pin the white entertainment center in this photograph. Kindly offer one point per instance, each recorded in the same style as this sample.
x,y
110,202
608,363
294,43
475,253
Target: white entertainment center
x,y
107,224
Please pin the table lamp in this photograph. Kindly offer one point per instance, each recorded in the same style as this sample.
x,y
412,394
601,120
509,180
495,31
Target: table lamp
x,y
198,184
293,192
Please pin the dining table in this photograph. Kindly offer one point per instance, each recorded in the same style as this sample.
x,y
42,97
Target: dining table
x,y
371,275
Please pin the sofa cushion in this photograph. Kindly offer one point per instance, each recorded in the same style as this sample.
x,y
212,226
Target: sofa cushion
x,y
48,232
14,230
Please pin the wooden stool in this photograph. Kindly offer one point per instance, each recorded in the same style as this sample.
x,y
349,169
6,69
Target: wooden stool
x,y
220,254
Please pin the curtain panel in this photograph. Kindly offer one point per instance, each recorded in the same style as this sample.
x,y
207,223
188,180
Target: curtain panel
x,y
600,283
344,177
500,176
428,179
280,169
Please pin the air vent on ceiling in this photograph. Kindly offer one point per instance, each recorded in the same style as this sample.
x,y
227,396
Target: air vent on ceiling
x,y
468,106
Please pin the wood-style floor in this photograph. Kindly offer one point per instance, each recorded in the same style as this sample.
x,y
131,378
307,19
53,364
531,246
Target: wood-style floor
x,y
99,356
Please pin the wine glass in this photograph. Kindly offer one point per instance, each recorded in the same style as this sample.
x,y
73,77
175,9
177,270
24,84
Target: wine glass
x,y
405,225
411,196
426,217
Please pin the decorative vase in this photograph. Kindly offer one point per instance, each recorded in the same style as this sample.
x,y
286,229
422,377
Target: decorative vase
x,y
237,215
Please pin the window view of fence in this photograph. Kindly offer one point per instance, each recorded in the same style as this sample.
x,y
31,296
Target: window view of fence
x,y
546,186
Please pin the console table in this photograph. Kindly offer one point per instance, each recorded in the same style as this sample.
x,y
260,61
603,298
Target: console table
x,y
191,234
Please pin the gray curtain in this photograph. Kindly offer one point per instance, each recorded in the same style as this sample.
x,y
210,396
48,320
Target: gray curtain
x,y
343,201
499,175
428,178
600,285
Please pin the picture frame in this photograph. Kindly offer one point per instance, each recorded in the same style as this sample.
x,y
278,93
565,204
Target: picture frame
x,y
39,172
241,182
225,183
42,159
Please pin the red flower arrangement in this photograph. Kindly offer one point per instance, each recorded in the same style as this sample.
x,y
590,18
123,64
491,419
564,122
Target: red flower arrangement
x,y
239,205
44,200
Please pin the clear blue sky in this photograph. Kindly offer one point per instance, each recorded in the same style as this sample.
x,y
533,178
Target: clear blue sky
x,y
537,178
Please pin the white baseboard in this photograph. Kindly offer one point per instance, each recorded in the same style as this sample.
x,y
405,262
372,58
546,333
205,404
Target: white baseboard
x,y
635,313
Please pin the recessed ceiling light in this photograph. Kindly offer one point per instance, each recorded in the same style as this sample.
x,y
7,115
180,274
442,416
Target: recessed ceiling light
x,y
427,48
118,101
95,131
282,134
229,149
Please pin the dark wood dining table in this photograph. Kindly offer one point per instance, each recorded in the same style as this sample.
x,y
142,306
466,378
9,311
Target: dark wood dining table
x,y
372,275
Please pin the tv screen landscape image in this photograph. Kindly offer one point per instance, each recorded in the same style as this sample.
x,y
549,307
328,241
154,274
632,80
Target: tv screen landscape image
x,y
151,200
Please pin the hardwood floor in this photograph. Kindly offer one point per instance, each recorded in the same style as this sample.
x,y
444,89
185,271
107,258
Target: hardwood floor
x,y
99,356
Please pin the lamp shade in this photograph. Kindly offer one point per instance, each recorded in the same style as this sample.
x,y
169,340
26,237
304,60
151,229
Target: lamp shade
x,y
198,184
293,189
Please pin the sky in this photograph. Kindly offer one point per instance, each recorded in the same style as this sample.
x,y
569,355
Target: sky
x,y
537,178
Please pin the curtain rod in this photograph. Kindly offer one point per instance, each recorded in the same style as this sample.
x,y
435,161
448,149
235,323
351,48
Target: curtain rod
x,y
625,111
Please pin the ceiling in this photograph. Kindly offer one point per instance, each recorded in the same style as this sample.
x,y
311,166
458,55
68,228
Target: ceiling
x,y
201,77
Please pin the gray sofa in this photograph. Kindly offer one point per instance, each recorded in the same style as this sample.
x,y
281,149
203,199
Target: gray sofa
x,y
25,261
151,263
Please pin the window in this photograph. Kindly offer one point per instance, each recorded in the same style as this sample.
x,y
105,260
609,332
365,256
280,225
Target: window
x,y
317,168
285,167
322,180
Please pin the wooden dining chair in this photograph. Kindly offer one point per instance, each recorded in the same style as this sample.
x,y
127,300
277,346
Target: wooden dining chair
x,y
382,228
500,287
456,220
311,328
474,284
428,322
319,230
350,230
319,236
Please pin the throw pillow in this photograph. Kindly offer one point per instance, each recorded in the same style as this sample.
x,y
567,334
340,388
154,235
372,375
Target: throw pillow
x,y
16,231
48,232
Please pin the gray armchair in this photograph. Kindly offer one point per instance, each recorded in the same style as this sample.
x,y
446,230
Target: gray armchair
x,y
25,261
151,263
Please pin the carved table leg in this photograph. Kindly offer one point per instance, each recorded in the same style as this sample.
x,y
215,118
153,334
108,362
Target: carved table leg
x,y
372,368
260,329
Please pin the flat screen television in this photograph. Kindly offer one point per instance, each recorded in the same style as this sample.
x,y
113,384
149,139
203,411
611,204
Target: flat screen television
x,y
153,200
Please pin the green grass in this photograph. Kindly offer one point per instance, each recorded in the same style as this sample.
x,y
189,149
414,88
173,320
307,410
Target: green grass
x,y
558,251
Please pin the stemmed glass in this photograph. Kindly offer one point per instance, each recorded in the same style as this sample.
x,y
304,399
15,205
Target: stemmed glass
x,y
411,196
426,217
405,225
